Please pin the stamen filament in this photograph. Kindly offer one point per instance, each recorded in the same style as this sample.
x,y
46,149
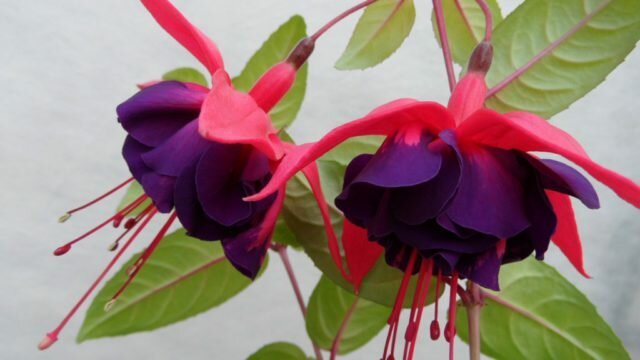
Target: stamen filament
x,y
144,257
450,331
435,325
423,298
67,215
397,308
52,336
66,247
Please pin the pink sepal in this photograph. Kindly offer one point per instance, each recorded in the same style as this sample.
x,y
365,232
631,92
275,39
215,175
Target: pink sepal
x,y
313,177
273,85
527,132
566,236
185,33
145,85
361,254
385,120
232,117
467,97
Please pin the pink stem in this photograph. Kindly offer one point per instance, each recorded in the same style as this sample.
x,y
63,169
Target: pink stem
x,y
284,256
335,347
340,17
444,41
488,19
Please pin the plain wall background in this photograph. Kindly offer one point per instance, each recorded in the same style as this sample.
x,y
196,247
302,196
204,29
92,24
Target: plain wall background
x,y
65,65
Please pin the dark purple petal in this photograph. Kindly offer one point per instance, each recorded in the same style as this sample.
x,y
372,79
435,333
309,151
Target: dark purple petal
x,y
218,184
416,204
399,164
244,253
542,218
483,269
490,197
181,149
359,203
560,177
132,151
158,111
190,212
160,189
431,237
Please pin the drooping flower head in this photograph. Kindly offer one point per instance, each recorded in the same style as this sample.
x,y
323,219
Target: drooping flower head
x,y
197,152
454,191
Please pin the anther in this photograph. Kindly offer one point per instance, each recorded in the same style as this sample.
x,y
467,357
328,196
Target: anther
x,y
434,330
117,220
130,223
62,250
109,305
47,341
62,219
113,246
449,331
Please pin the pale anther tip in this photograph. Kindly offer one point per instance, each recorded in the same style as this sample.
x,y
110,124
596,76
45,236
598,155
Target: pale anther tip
x,y
64,218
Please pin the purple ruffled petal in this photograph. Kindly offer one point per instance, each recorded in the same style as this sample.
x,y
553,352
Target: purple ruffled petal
x,y
417,204
219,187
190,212
490,197
560,177
155,113
244,254
160,189
399,164
181,149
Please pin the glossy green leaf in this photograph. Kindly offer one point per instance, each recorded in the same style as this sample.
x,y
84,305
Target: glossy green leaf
x,y
465,26
186,74
328,307
134,191
274,50
561,50
540,315
279,351
380,31
182,278
303,218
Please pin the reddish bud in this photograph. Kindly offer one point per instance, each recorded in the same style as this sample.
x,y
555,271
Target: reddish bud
x,y
481,57
301,52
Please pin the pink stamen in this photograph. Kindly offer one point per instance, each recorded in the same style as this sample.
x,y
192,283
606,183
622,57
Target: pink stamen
x,y
450,328
143,258
428,269
66,247
397,308
435,325
67,215
52,336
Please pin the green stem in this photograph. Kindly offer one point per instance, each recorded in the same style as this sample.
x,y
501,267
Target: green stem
x,y
473,315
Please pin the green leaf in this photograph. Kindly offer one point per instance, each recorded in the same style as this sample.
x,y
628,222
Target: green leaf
x,y
303,218
182,278
465,26
134,191
279,351
274,50
328,307
186,74
380,31
540,315
563,48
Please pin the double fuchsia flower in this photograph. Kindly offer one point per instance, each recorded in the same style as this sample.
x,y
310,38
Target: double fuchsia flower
x,y
453,191
201,151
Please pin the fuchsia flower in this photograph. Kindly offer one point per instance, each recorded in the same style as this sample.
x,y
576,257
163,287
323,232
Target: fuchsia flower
x,y
454,191
197,152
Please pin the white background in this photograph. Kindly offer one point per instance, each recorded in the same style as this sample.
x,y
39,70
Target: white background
x,y
65,65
